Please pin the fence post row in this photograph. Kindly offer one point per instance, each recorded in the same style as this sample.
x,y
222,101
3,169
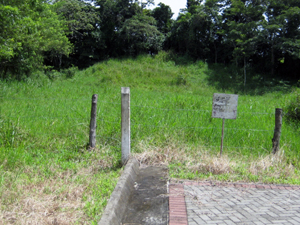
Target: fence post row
x,y
93,125
125,123
277,130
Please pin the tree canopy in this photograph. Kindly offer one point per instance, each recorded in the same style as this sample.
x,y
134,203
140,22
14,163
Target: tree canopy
x,y
263,35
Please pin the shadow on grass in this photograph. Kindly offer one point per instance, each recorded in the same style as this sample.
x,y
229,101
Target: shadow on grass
x,y
231,78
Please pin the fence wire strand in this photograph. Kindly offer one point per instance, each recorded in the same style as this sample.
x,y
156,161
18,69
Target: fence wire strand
x,y
133,105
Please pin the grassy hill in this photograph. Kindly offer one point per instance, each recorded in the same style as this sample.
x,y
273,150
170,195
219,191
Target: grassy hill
x,y
44,128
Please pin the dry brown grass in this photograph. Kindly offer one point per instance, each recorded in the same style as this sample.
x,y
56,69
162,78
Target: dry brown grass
x,y
273,165
50,201
199,160
203,161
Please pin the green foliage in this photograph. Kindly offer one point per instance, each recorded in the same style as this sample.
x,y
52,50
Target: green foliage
x,y
261,36
141,35
163,15
249,34
83,32
78,15
8,16
29,31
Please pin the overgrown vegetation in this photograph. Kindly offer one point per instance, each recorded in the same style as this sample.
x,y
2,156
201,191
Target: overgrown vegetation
x,y
48,175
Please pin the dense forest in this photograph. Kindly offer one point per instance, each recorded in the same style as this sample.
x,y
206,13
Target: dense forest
x,y
255,35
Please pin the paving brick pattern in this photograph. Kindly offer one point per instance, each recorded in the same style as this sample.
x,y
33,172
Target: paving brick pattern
x,y
225,204
177,206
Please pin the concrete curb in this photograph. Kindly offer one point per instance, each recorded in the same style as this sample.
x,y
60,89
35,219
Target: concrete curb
x,y
118,201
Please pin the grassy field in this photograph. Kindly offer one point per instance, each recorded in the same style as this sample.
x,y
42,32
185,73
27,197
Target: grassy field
x,y
47,174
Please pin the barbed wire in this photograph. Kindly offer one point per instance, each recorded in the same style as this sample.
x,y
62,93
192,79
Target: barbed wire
x,y
138,106
118,139
195,110
168,126
234,147
175,109
73,134
49,117
46,98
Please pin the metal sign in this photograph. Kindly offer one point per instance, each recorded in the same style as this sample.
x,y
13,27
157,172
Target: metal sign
x,y
224,106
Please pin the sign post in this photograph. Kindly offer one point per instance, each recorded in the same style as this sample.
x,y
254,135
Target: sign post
x,y
224,107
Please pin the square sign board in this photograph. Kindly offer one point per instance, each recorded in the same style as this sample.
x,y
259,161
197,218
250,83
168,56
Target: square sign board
x,y
224,106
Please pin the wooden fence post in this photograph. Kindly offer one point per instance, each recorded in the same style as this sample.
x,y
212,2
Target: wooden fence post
x,y
222,139
125,124
277,130
93,125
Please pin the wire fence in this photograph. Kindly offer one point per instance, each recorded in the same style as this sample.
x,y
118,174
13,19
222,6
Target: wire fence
x,y
136,125
131,105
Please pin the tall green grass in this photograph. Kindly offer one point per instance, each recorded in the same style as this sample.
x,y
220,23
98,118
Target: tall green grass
x,y
45,122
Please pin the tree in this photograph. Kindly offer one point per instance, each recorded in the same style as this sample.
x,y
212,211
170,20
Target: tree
x,y
192,5
30,29
141,35
243,20
282,36
163,15
213,9
84,33
193,32
179,31
113,14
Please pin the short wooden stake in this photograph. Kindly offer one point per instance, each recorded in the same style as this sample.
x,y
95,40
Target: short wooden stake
x,y
93,124
277,130
125,124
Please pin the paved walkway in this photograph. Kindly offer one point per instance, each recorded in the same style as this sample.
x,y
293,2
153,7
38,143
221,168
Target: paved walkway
x,y
193,203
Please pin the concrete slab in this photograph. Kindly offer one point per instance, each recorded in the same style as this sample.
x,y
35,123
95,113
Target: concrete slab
x,y
148,204
119,199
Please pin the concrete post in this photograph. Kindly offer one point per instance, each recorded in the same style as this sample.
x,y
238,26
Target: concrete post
x,y
125,124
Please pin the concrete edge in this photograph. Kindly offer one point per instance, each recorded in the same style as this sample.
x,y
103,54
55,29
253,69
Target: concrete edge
x,y
119,198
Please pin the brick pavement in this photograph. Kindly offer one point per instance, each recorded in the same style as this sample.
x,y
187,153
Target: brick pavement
x,y
195,203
